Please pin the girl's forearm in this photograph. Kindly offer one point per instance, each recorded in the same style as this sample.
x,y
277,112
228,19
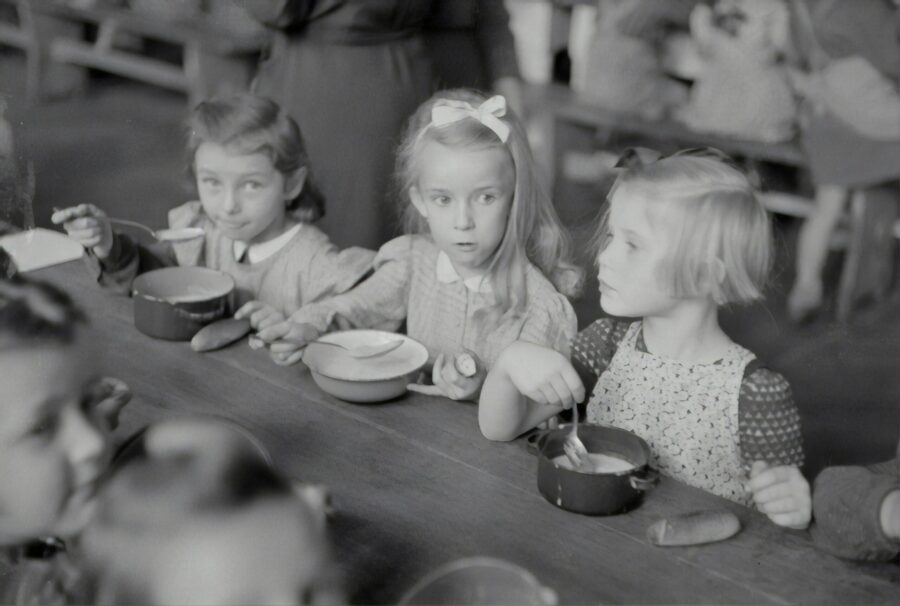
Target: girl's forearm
x,y
500,407
504,413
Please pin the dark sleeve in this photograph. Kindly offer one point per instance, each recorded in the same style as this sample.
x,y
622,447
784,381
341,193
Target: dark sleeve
x,y
768,419
593,348
847,511
279,13
495,40
127,259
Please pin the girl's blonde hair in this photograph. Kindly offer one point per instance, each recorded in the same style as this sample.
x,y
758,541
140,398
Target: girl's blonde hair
x,y
253,124
533,230
719,232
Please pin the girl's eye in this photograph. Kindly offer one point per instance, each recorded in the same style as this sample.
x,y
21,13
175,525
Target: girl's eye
x,y
631,245
252,185
487,198
441,200
45,428
209,182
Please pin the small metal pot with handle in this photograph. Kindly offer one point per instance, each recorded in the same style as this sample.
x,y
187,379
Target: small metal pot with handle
x,y
175,302
598,493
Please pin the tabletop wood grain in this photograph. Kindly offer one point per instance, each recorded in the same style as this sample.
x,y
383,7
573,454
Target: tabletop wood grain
x,y
416,485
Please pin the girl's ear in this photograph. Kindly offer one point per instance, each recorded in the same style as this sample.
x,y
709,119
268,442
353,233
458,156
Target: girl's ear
x,y
294,183
415,196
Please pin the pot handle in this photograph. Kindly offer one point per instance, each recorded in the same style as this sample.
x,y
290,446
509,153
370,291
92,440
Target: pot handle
x,y
645,479
201,318
535,440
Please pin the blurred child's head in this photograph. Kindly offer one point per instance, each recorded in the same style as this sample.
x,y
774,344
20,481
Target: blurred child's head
x,y
52,451
198,516
251,167
466,166
685,226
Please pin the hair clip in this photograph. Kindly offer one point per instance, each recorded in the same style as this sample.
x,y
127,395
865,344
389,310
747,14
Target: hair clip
x,y
449,111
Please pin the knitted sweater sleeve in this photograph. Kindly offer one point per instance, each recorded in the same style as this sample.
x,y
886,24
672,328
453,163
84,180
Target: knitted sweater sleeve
x,y
378,302
768,420
593,349
847,510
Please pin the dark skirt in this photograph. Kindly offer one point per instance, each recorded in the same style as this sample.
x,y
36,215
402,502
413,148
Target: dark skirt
x,y
352,102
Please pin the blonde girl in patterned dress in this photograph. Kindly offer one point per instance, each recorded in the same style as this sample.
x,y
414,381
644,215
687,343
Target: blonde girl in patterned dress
x,y
682,236
485,261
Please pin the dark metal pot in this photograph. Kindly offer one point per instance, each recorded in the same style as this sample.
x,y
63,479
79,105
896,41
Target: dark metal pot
x,y
175,302
594,493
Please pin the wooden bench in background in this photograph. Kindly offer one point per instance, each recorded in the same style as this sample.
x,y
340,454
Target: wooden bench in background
x,y
214,59
871,221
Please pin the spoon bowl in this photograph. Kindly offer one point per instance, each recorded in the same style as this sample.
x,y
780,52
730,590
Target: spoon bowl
x,y
574,448
163,235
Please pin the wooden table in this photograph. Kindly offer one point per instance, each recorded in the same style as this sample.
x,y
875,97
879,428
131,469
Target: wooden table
x,y
416,485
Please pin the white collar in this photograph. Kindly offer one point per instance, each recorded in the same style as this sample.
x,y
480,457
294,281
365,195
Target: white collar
x,y
264,250
447,274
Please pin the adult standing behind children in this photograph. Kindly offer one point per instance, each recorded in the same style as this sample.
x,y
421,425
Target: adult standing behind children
x,y
852,131
350,72
471,46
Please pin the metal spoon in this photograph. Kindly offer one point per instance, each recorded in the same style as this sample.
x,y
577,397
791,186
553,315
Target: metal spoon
x,y
164,235
574,448
365,351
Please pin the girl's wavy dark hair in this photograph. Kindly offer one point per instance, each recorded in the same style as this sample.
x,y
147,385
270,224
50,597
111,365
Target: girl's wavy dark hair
x,y
254,124
34,311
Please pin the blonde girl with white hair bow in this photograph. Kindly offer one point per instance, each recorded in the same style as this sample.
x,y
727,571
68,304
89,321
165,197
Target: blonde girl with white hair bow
x,y
485,261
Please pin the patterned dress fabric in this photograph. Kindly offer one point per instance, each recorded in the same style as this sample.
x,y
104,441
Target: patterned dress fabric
x,y
705,423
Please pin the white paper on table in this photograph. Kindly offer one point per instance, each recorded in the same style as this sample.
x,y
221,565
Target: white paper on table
x,y
37,248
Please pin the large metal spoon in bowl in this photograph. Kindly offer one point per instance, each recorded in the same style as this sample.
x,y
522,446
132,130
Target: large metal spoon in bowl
x,y
365,351
574,447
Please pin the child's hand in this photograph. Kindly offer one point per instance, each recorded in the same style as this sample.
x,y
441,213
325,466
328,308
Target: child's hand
x,y
87,225
260,315
451,381
782,493
541,374
287,340
111,396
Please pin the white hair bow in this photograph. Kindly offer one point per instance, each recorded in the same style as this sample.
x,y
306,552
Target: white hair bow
x,y
448,111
